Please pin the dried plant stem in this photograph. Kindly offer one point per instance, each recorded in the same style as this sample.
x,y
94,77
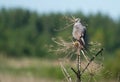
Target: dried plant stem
x,y
118,79
66,74
57,42
78,65
91,60
78,72
85,56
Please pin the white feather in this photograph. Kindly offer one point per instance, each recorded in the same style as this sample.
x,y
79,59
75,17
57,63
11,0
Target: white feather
x,y
78,30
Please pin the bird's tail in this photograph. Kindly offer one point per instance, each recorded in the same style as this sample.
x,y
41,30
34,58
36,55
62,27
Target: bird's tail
x,y
83,44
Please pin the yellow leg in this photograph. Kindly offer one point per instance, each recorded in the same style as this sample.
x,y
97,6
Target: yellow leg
x,y
76,43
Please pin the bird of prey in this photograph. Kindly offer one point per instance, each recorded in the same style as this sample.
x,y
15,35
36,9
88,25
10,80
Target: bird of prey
x,y
79,32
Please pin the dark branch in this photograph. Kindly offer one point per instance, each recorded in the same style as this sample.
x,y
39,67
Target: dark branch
x,y
74,71
91,60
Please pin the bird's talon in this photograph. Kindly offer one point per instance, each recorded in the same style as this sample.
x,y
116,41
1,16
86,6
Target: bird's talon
x,y
76,43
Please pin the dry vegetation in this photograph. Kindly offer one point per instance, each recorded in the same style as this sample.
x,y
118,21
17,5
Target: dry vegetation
x,y
36,70
28,70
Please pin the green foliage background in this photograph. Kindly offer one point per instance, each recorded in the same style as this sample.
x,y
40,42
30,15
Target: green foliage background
x,y
25,33
28,34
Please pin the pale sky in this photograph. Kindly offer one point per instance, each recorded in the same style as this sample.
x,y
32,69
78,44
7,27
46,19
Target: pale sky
x,y
109,7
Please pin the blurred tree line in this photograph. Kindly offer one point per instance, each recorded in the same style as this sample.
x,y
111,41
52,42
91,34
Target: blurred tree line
x,y
25,33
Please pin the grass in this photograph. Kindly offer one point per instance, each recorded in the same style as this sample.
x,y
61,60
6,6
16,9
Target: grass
x,y
34,67
38,70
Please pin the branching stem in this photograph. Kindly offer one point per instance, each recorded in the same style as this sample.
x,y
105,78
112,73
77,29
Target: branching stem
x,y
91,60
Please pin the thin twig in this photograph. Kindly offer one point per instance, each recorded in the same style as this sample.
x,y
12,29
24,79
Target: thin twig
x,y
78,66
78,72
57,42
66,74
64,27
85,56
74,71
118,79
91,61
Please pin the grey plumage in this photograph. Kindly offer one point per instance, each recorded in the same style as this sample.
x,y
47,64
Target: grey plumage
x,y
79,31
